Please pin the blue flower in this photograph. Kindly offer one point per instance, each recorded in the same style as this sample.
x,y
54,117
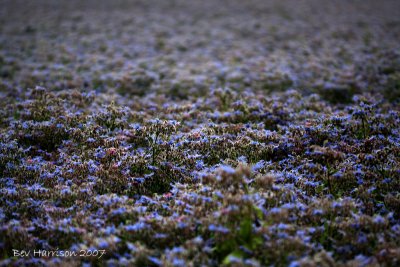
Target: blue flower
x,y
137,226
218,228
102,244
155,260
362,238
160,236
363,260
294,264
136,126
318,212
242,159
178,262
282,226
109,230
275,210
178,250
66,191
259,165
182,225
91,140
100,153
227,169
119,211
199,164
379,219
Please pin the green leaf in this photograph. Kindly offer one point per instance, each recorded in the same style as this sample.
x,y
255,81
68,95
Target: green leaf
x,y
235,254
256,241
258,211
246,229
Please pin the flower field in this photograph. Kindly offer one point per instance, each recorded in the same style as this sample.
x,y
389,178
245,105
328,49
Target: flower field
x,y
200,133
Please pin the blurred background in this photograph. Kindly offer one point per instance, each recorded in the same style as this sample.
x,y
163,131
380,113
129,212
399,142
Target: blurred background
x,y
184,48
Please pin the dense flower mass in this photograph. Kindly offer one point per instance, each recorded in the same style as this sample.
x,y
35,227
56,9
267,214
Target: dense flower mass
x,y
200,133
